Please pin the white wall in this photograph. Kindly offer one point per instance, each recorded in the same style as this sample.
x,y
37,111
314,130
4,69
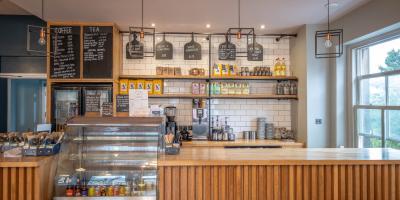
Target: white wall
x,y
370,20
242,113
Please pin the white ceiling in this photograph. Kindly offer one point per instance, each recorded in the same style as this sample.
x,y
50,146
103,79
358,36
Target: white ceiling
x,y
279,16
8,8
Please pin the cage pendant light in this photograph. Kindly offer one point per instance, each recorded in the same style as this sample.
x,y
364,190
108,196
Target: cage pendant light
x,y
37,37
141,32
329,43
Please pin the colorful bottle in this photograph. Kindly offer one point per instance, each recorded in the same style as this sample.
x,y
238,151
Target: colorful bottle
x,y
92,191
283,67
78,188
69,192
277,67
84,190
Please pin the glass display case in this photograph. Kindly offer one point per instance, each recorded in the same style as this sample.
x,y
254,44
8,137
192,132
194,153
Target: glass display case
x,y
109,158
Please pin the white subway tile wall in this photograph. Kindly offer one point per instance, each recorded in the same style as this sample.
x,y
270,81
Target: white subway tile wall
x,y
242,113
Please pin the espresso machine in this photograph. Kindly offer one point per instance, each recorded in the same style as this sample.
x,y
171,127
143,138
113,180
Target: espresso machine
x,y
200,119
171,126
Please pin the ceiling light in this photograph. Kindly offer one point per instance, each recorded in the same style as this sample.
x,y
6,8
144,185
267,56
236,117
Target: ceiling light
x,y
262,26
208,25
332,5
153,25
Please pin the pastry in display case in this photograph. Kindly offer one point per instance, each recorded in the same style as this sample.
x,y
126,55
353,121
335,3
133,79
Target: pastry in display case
x,y
109,158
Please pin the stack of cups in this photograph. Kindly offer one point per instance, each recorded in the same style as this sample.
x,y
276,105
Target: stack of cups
x,y
269,130
261,127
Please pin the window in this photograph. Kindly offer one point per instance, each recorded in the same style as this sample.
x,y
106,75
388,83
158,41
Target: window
x,y
377,109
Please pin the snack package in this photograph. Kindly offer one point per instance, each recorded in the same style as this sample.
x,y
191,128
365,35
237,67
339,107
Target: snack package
x,y
157,86
123,86
132,84
140,84
195,88
202,89
217,70
159,71
149,86
224,70
232,70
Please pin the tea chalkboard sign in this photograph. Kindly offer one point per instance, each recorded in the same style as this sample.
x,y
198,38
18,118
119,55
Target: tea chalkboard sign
x,y
134,48
92,103
227,50
65,41
255,52
164,50
192,50
97,51
122,102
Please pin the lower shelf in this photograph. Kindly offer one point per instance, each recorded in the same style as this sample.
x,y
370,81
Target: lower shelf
x,y
225,96
106,198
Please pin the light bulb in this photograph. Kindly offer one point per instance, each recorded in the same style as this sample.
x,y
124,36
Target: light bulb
x,y
238,35
42,39
141,35
328,41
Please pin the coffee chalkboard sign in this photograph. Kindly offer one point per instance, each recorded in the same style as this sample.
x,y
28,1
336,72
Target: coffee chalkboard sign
x,y
97,51
192,50
134,48
164,50
122,103
227,50
92,103
65,42
255,52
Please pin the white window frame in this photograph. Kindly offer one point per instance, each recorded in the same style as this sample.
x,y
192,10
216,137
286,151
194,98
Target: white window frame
x,y
354,80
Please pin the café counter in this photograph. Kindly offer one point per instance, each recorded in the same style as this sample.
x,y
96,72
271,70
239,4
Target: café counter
x,y
284,173
27,177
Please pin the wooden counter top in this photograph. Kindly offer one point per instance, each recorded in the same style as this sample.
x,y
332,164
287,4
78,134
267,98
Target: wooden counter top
x,y
23,161
242,142
283,156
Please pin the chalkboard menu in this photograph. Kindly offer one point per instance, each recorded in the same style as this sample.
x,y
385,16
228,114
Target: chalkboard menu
x,y
227,51
65,42
134,50
255,52
92,103
97,51
164,50
122,103
192,51
107,109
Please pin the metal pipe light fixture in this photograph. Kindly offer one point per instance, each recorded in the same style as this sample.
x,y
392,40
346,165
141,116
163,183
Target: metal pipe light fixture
x,y
141,32
39,34
329,43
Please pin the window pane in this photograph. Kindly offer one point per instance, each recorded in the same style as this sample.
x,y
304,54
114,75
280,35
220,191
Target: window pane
x,y
372,91
384,57
394,90
369,128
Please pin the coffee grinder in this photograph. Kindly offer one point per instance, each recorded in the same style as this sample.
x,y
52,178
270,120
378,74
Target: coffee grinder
x,y
200,119
171,126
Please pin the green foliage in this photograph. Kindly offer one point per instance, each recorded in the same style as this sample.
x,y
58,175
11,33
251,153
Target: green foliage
x,y
392,61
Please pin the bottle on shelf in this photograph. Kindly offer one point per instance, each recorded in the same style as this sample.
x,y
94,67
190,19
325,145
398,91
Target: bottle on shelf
x,y
283,67
78,188
69,192
91,191
84,190
277,67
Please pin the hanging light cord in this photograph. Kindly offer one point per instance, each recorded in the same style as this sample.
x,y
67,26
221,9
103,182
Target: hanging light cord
x,y
142,12
239,12
42,10
329,5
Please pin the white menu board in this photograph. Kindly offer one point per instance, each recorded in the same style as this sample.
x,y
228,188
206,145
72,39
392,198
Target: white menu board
x,y
138,103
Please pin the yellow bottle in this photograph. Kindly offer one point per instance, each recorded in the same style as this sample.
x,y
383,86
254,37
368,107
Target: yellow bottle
x,y
283,67
277,67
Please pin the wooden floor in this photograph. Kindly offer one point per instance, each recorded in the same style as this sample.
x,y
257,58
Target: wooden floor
x,y
370,182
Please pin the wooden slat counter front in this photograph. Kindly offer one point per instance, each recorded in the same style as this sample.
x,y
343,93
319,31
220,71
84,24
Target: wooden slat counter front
x,y
27,177
211,173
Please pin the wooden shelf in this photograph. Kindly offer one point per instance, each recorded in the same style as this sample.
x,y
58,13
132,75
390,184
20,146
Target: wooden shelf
x,y
253,96
267,78
182,96
81,80
225,96
189,77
